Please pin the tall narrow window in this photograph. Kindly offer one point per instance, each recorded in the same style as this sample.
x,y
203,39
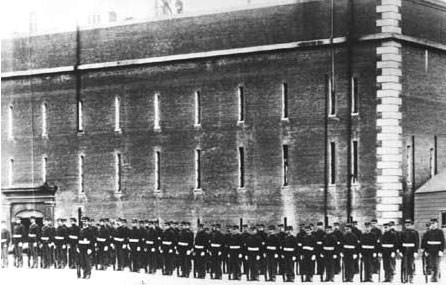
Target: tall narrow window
x,y
44,130
197,108
157,170
117,114
432,162
285,165
80,116
10,122
241,104
118,174
284,100
354,162
156,122
44,168
241,163
355,95
435,155
331,97
11,172
332,163
197,169
426,60
81,174
409,159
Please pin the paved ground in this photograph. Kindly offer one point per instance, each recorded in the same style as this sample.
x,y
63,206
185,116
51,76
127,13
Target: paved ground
x,y
68,276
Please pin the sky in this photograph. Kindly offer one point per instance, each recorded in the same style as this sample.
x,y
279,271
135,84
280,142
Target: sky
x,y
62,15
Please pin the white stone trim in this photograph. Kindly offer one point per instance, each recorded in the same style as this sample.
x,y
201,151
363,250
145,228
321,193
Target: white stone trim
x,y
387,8
388,150
392,214
391,2
391,200
392,157
387,207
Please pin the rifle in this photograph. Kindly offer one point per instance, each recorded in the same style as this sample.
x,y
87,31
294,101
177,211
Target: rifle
x,y
379,269
423,258
78,266
404,273
361,268
343,269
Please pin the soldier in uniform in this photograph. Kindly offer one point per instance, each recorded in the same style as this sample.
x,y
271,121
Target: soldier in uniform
x,y
281,236
184,248
350,253
409,245
85,248
368,251
216,250
119,237
289,253
319,234
227,237
340,238
135,244
433,247
253,247
59,240
102,241
46,240
235,245
168,244
263,235
245,235
300,237
389,248
330,253
152,247
33,238
73,236
6,239
378,233
308,254
201,247
18,237
272,247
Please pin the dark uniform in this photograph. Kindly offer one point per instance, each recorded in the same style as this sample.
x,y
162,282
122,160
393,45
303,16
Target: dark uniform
x,y
319,234
281,236
216,250
135,244
433,246
120,243
73,236
378,233
330,254
350,250
46,240
289,253
340,241
263,236
200,250
18,238
60,242
6,239
102,242
389,247
85,248
152,245
308,255
184,247
235,255
253,246
300,237
34,234
368,251
272,247
168,244
409,245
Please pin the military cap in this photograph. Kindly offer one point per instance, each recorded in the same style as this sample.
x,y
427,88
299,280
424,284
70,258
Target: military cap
x,y
311,225
328,227
218,226
187,223
428,224
355,222
102,220
271,227
134,220
391,223
228,226
302,225
434,220
386,224
320,223
367,224
336,223
289,228
374,220
252,227
87,219
280,225
73,219
64,220
245,225
59,220
106,220
167,223
307,227
200,225
260,225
348,225
235,227
141,221
146,222
124,220
408,221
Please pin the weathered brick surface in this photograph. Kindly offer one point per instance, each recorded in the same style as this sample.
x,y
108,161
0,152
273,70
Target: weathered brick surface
x,y
262,135
280,24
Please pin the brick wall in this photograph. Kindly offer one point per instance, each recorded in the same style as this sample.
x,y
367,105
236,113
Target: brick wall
x,y
279,24
219,136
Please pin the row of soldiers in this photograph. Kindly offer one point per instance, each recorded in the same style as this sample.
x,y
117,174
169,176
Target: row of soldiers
x,y
254,251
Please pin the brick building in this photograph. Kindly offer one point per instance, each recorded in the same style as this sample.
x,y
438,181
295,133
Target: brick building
x,y
302,110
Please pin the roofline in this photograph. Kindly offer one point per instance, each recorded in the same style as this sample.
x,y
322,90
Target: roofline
x,y
219,53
